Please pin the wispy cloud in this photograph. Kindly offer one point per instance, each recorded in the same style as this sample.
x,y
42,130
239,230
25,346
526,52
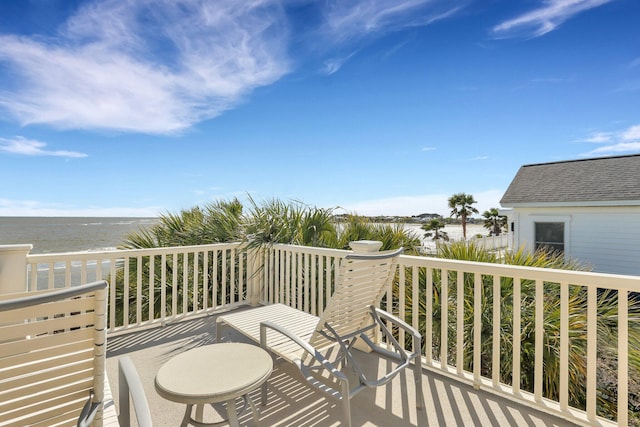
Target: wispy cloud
x,y
348,20
31,147
333,65
480,158
145,66
428,148
544,19
625,141
597,137
160,66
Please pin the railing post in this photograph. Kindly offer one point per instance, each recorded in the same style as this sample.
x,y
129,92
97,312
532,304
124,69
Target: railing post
x,y
13,268
254,276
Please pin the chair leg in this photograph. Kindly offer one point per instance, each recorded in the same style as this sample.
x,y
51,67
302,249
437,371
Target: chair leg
x,y
263,394
219,332
346,403
417,373
346,411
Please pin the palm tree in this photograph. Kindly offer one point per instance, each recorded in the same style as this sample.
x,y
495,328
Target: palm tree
x,y
494,221
433,228
460,205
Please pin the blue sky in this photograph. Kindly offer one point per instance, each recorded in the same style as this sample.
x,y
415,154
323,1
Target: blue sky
x,y
141,107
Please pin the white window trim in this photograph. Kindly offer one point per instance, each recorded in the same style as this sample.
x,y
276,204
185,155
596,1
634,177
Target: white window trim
x,y
566,219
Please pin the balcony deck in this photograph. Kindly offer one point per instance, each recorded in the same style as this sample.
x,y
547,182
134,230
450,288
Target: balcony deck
x,y
448,402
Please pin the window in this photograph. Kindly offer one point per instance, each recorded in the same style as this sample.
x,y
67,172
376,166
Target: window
x,y
550,235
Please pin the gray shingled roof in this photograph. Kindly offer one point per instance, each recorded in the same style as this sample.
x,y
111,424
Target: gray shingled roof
x,y
589,181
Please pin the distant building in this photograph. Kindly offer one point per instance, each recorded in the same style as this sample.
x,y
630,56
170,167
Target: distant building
x,y
589,209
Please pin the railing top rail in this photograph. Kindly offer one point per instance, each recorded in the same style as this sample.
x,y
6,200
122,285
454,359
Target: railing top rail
x,y
128,252
603,280
312,250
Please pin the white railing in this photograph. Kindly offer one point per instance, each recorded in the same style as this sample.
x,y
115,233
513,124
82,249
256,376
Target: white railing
x,y
468,338
490,243
149,286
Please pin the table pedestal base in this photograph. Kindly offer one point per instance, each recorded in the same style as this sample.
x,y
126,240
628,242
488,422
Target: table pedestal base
x,y
218,418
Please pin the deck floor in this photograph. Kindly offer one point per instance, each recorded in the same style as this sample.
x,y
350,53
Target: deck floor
x,y
292,403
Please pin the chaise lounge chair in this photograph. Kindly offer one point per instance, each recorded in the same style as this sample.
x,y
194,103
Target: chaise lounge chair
x,y
351,313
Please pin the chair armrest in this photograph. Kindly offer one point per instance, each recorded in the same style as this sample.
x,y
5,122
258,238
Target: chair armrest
x,y
303,344
129,384
383,315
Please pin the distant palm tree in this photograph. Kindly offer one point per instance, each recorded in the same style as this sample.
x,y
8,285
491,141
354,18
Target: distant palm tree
x,y
460,205
494,222
433,228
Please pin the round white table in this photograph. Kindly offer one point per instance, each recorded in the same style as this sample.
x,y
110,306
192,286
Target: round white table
x,y
212,374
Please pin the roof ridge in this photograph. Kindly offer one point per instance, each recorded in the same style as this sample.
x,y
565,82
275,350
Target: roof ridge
x,y
581,160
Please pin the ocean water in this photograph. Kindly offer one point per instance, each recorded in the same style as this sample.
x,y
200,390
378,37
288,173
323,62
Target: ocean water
x,y
72,234
69,234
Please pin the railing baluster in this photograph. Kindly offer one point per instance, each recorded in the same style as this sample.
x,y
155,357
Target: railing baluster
x,y
313,281
517,331
495,359
592,350
67,274
415,299
196,282
139,289
477,328
112,295
402,284
564,346
307,284
444,317
163,289
429,314
539,341
214,279
125,293
205,280
223,277
174,288
152,286
623,358
321,269
459,322
298,288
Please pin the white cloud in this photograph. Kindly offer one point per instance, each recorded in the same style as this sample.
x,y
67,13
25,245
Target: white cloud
x,y
546,18
145,66
415,205
633,133
349,20
621,147
10,207
625,141
333,65
428,148
30,147
597,137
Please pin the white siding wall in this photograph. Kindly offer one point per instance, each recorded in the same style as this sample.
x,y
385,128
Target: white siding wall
x,y
608,238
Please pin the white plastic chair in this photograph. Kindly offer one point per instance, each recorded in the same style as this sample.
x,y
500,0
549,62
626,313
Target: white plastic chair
x,y
52,356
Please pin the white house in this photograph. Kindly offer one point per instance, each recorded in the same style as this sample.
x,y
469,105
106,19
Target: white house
x,y
589,209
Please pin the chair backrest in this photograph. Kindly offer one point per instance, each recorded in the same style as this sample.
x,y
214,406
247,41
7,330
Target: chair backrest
x,y
362,281
52,355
